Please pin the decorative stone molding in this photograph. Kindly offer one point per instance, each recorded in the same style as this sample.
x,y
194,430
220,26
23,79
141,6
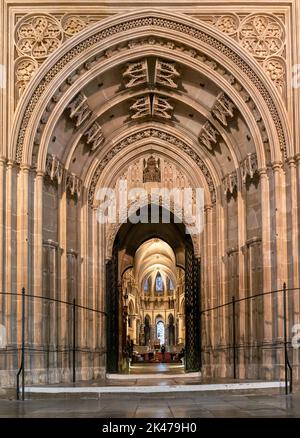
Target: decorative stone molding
x,y
253,241
38,36
275,67
136,73
25,69
148,134
166,74
223,108
51,243
79,109
54,168
249,166
73,185
262,35
155,21
94,136
151,105
208,136
230,183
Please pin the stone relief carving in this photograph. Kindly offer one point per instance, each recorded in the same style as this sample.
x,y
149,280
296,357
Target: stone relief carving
x,y
275,68
141,107
54,168
136,73
72,24
79,109
94,136
56,172
249,166
148,134
151,105
73,185
38,36
262,35
170,45
151,171
25,68
166,74
230,183
208,136
222,108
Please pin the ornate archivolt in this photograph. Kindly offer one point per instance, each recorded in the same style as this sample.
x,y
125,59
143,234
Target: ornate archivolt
x,y
37,36
157,22
151,133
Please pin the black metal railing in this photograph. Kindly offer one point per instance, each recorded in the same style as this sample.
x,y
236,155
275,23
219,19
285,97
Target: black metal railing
x,y
73,348
235,347
23,346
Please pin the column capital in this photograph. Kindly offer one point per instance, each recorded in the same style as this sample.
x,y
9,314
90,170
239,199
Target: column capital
x,y
276,166
297,158
208,207
25,167
291,161
263,172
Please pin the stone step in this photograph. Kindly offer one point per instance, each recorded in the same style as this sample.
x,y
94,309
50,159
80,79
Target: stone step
x,y
140,388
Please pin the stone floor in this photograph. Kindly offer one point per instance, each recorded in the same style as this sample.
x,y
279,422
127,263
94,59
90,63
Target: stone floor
x,y
180,405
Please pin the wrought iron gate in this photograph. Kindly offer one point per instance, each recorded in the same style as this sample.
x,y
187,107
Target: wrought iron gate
x,y
192,311
112,308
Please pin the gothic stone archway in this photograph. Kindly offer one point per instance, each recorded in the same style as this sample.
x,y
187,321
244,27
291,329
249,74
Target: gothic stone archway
x,y
192,289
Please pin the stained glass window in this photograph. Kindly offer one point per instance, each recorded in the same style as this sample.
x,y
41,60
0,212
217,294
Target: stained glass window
x,y
159,283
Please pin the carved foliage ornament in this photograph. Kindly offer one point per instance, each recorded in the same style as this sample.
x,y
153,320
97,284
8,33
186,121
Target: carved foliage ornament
x,y
142,22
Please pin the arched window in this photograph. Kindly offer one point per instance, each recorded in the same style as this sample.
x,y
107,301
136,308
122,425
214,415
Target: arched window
x,y
160,332
146,285
170,284
159,283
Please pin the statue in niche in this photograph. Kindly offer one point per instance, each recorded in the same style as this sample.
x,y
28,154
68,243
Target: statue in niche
x,y
151,172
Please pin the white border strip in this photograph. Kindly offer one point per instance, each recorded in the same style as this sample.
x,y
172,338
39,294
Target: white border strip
x,y
152,389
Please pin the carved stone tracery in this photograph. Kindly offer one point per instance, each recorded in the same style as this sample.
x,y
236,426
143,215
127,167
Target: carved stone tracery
x,y
148,134
141,22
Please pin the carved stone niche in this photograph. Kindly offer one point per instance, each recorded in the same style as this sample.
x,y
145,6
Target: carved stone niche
x,y
230,184
152,171
223,108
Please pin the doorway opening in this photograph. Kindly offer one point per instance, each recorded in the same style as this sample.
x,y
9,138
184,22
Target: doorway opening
x,y
153,298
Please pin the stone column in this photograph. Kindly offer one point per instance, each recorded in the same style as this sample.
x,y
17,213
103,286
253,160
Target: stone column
x,y
38,304
294,196
241,306
220,315
281,242
9,304
209,300
22,244
2,210
63,326
267,271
